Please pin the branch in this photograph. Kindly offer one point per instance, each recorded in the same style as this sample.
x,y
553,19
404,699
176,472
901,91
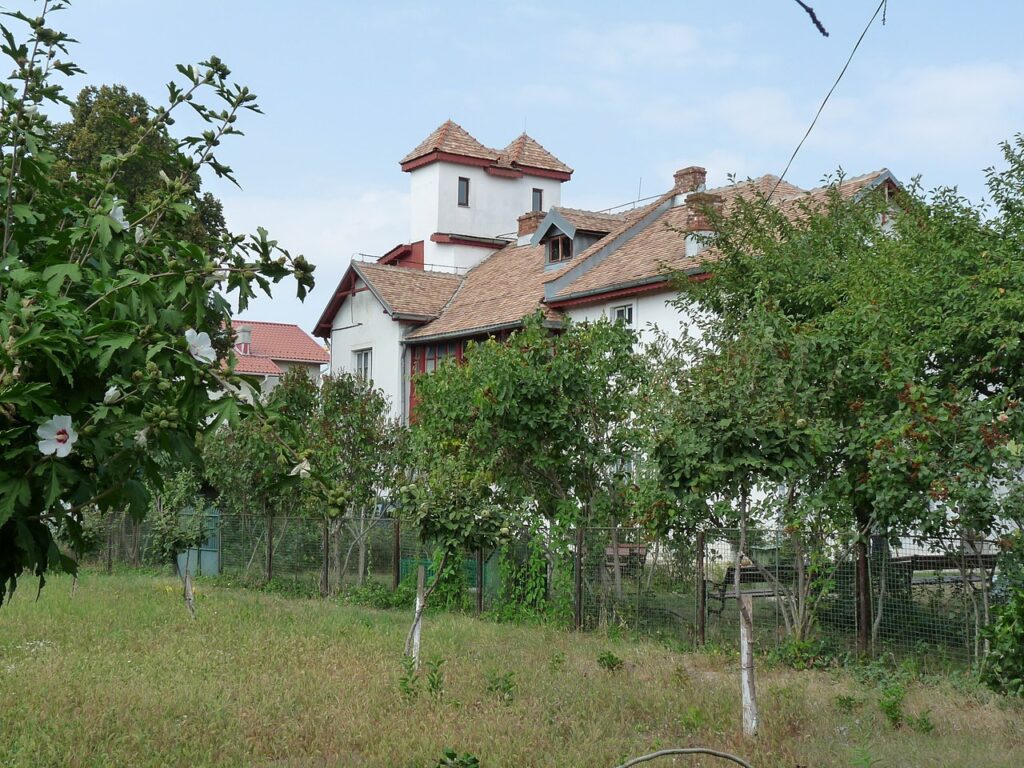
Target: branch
x,y
814,18
686,751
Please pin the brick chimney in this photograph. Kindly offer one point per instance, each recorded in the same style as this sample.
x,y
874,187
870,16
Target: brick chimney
x,y
699,204
243,340
529,222
691,179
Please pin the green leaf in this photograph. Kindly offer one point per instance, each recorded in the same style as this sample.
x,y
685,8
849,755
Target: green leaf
x,y
58,273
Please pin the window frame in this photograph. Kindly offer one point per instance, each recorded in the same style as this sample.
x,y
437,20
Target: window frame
x,y
537,200
358,356
564,249
458,193
630,310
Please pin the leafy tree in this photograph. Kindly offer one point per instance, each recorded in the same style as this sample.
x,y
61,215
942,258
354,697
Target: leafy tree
x,y
109,121
111,323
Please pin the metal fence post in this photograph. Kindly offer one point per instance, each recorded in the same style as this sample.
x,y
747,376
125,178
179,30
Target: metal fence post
x,y
701,591
270,547
479,580
578,586
396,557
325,557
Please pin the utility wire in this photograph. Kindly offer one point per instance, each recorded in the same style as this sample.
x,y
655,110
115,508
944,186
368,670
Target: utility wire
x,y
831,90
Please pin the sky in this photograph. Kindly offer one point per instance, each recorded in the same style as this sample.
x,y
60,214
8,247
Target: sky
x,y
625,93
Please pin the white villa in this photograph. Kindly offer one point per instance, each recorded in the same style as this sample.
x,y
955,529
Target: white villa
x,y
490,243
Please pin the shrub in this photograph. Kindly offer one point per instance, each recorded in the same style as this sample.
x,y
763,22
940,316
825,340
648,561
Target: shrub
x,y
609,661
1003,670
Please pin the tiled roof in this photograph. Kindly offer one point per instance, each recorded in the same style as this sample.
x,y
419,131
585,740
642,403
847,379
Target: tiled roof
x,y
660,247
499,291
281,341
526,151
407,291
591,221
451,137
258,366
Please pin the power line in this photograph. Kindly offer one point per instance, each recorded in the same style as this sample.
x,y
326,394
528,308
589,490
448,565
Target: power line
x,y
831,90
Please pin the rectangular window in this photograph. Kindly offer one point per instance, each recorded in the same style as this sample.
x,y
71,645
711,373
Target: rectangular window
x,y
463,191
559,249
538,200
364,363
623,313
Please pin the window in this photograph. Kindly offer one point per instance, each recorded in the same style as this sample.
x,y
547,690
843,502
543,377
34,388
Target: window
x,y
559,249
364,360
463,191
538,200
623,313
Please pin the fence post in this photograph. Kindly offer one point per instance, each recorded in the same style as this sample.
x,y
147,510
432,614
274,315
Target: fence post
x,y
702,591
110,544
396,557
578,578
270,547
479,580
325,550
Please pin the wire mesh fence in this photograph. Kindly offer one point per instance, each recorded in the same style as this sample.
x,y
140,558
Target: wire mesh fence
x,y
929,597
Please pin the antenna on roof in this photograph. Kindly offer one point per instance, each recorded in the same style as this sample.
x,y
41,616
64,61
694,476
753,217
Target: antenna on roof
x,y
639,186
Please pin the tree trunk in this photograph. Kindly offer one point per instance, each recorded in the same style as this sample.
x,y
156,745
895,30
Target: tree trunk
x,y
338,576
325,559
361,578
746,609
702,590
270,548
578,578
417,627
863,579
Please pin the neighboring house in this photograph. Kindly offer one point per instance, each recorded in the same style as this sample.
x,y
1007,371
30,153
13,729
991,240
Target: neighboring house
x,y
269,350
461,277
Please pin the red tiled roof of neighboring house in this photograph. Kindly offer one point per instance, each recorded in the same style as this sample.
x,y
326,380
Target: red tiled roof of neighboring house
x,y
452,138
258,366
281,341
498,292
527,151
416,293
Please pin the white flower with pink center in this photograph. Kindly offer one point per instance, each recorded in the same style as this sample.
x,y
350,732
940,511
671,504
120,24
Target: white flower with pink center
x,y
56,437
199,346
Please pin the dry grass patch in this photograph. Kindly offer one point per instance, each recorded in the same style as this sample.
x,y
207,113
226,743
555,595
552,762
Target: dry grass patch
x,y
119,675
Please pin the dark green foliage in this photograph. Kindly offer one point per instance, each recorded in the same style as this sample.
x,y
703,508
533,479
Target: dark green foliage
x,y
1003,669
609,661
452,759
890,701
502,685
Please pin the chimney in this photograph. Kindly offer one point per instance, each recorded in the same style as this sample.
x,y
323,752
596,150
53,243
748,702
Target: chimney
x,y
243,340
529,222
700,204
691,179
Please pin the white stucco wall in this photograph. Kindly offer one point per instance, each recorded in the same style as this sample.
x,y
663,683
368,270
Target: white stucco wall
x,y
650,311
361,323
495,202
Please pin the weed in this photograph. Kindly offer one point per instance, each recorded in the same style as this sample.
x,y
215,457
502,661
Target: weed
x,y
609,661
435,678
921,723
863,759
409,680
557,661
891,702
452,759
848,704
502,684
692,719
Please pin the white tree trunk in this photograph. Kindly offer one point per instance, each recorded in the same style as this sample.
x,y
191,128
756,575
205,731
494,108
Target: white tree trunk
x,y
746,611
421,577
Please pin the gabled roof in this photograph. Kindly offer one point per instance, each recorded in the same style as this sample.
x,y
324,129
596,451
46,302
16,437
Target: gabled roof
x,y
569,221
406,293
409,294
525,151
256,366
453,143
279,341
497,293
452,138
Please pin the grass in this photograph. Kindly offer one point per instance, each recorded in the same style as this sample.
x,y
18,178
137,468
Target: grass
x,y
118,675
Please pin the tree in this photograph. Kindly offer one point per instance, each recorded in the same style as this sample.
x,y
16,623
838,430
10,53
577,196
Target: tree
x,y
898,351
111,323
108,122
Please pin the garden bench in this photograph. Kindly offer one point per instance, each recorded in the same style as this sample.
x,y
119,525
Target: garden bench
x,y
720,591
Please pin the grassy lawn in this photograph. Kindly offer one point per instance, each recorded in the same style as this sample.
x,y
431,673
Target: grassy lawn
x,y
119,676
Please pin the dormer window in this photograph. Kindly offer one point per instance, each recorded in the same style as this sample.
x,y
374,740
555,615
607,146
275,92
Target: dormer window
x,y
559,249
463,191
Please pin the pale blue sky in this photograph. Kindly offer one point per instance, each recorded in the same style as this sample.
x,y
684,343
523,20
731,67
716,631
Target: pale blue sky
x,y
619,91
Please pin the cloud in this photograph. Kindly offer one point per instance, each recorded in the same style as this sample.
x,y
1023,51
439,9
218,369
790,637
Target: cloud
x,y
329,230
633,46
